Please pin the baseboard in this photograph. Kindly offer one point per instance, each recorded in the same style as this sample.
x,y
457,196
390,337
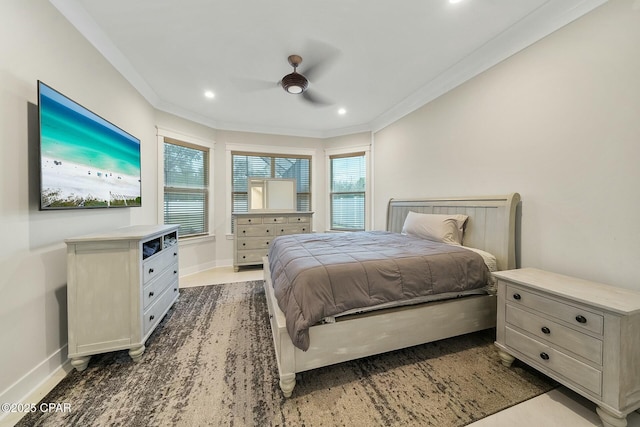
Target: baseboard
x,y
36,384
197,268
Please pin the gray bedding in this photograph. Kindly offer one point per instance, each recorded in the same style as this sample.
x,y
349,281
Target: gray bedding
x,y
320,275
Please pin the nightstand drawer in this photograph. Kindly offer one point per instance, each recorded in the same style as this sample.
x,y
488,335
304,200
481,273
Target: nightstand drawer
x,y
574,315
556,334
555,362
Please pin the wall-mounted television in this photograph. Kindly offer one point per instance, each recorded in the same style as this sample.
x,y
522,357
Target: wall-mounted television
x,y
85,161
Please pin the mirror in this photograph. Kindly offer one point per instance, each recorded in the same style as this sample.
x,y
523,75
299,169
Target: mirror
x,y
272,194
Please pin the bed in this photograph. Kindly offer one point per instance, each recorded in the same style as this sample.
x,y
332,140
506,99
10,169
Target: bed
x,y
490,227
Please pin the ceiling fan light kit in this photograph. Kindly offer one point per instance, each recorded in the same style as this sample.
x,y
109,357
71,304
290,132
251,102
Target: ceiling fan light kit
x,y
294,83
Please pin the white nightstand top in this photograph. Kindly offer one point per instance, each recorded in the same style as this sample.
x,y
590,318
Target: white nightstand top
x,y
611,298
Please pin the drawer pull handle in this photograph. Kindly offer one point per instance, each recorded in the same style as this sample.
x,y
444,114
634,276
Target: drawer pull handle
x,y
517,297
299,219
175,271
152,317
175,289
581,319
151,294
274,220
282,230
150,270
175,254
546,330
544,356
304,229
244,256
249,220
244,231
267,243
244,244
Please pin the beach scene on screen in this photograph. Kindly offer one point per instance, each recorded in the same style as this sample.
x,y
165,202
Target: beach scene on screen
x,y
85,160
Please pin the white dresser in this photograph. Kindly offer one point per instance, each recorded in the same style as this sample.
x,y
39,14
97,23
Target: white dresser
x,y
585,335
120,284
254,232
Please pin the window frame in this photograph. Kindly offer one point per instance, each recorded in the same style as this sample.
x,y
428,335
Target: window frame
x,y
349,152
285,151
273,156
198,144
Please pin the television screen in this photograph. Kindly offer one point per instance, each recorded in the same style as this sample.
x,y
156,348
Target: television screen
x,y
85,161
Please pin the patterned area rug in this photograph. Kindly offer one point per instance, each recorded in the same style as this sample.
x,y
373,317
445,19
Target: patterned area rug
x,y
211,363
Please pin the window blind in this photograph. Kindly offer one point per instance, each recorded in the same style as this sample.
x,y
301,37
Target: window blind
x,y
186,181
347,195
250,165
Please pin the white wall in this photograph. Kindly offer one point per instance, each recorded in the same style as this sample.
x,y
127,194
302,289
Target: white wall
x,y
36,42
559,123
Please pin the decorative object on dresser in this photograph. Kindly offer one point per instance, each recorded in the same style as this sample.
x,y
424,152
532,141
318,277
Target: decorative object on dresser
x,y
120,284
254,232
585,335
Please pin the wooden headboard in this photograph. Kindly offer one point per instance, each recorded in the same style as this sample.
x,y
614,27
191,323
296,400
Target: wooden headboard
x,y
490,227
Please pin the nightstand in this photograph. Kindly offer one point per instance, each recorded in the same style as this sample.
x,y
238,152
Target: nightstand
x,y
585,335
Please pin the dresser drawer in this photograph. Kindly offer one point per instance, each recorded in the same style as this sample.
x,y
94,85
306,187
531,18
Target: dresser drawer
x,y
293,229
256,230
253,257
556,334
575,315
299,219
274,219
155,312
555,362
249,220
253,243
154,289
155,265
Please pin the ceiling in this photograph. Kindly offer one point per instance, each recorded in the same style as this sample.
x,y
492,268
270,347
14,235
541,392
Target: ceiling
x,y
386,58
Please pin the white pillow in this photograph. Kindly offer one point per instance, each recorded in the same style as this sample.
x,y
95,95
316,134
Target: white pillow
x,y
435,227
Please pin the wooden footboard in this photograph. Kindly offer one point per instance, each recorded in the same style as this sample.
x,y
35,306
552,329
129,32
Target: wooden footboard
x,y
374,332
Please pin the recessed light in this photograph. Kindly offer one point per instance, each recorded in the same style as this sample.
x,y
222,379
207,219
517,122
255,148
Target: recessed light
x,y
342,111
209,94
454,1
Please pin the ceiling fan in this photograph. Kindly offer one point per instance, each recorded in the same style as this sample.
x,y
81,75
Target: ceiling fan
x,y
298,83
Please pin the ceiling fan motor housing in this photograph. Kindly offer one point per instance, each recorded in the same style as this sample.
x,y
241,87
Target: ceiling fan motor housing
x,y
295,83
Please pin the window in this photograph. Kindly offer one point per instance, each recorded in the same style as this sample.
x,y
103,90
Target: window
x,y
186,187
347,193
245,165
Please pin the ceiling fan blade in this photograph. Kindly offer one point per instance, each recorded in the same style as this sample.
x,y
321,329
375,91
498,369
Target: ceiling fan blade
x,y
313,98
319,56
253,85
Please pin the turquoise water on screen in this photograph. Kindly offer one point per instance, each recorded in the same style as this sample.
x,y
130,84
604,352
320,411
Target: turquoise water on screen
x,y
69,132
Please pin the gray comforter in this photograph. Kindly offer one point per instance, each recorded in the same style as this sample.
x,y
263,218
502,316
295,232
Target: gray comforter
x,y
320,275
